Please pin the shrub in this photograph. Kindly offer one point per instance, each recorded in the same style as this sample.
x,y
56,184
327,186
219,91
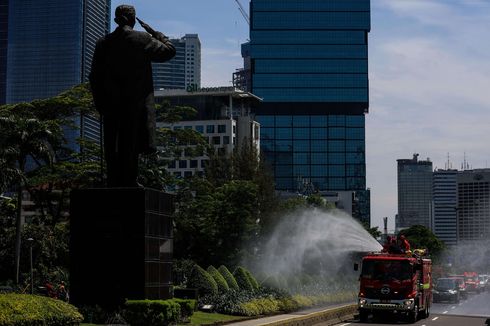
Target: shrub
x,y
220,280
201,280
151,312
252,279
93,314
242,279
228,276
187,307
33,310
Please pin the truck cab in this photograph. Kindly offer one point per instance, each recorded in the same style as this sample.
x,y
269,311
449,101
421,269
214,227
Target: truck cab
x,y
397,283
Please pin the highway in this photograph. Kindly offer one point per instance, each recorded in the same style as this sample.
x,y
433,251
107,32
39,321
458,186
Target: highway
x,y
473,311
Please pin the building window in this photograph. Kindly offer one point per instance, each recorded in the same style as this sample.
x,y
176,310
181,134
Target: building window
x,y
193,163
221,129
210,129
203,163
200,129
234,129
226,140
216,140
188,127
222,151
171,165
182,164
187,174
178,174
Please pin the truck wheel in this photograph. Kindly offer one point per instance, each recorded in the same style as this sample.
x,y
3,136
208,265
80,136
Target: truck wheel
x,y
413,315
363,316
425,313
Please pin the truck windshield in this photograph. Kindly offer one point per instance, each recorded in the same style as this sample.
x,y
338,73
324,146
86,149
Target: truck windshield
x,y
387,270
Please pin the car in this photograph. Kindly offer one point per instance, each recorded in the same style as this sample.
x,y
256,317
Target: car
x,y
446,289
461,284
484,282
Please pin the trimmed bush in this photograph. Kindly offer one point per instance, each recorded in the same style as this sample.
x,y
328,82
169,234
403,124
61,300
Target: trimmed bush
x,y
229,278
220,280
187,307
252,279
243,279
33,310
151,312
202,281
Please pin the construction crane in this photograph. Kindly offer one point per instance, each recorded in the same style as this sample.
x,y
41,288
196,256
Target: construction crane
x,y
243,12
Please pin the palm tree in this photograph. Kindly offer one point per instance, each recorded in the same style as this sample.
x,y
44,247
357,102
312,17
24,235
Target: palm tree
x,y
23,137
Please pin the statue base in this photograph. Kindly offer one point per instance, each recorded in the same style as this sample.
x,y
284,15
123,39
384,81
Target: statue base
x,y
121,245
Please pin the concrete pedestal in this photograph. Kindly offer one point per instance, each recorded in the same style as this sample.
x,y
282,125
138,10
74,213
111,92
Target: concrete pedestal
x,y
120,245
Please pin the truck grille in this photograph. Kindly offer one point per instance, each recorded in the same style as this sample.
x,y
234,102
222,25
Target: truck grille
x,y
376,294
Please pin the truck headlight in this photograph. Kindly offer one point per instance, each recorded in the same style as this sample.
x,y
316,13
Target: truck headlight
x,y
362,301
452,291
408,302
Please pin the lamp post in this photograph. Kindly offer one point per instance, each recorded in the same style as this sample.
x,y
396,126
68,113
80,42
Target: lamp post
x,y
30,241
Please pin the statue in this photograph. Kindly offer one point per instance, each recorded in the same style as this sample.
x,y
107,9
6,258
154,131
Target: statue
x,y
122,86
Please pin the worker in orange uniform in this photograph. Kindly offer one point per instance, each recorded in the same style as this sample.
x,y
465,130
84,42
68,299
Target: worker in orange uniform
x,y
403,243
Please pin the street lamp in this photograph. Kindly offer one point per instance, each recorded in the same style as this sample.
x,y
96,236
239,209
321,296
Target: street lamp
x,y
30,241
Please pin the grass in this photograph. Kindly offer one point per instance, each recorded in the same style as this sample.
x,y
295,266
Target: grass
x,y
206,318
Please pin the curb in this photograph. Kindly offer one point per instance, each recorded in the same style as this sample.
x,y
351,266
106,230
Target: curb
x,y
327,317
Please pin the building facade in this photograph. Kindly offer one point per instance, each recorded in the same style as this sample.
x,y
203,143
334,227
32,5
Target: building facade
x,y
474,205
445,207
414,193
184,70
309,64
223,118
51,44
4,23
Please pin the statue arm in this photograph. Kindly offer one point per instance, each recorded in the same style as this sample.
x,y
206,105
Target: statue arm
x,y
160,49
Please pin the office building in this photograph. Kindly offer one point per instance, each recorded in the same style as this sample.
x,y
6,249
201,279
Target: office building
x,y
50,49
184,70
414,193
4,23
445,199
474,205
223,118
309,64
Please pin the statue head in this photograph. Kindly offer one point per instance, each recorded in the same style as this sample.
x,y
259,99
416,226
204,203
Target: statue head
x,y
125,16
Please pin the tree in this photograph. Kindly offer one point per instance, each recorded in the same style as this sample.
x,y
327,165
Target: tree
x,y
421,237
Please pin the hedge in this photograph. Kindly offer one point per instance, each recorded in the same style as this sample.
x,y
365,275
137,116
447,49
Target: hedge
x,y
201,280
228,276
33,310
220,280
243,279
151,312
252,280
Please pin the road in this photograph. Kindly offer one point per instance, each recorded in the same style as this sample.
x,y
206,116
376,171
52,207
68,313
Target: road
x,y
470,312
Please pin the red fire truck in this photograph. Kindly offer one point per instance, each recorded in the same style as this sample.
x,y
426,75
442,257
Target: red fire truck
x,y
395,283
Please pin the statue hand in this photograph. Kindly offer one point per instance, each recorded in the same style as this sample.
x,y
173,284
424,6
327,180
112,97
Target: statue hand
x,y
146,26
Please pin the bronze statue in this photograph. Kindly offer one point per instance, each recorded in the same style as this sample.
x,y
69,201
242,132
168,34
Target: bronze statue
x,y
122,87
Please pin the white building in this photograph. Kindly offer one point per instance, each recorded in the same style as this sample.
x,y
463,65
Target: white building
x,y
224,119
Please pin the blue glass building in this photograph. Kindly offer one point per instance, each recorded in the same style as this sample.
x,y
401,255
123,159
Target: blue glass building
x,y
309,63
4,9
50,49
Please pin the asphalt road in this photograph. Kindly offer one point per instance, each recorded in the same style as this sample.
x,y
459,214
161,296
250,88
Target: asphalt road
x,y
473,311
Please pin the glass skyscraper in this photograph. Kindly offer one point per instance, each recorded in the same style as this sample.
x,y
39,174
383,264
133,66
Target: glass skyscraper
x,y
50,45
184,69
4,10
50,48
309,63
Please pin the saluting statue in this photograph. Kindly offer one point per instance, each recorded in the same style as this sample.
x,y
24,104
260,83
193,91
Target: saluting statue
x,y
122,87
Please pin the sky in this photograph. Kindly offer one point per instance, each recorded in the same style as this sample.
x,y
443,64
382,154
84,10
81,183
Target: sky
x,y
429,74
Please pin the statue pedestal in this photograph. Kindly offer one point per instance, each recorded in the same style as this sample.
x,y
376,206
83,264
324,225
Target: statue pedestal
x,y
120,245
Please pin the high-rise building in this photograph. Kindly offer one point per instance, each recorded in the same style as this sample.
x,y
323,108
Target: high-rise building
x,y
51,44
50,49
414,193
445,199
309,64
184,69
4,20
474,205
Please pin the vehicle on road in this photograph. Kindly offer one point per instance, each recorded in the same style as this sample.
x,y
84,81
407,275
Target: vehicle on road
x,y
472,282
484,282
463,294
446,289
396,283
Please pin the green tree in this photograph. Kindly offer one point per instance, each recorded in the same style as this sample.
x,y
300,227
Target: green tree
x,y
421,237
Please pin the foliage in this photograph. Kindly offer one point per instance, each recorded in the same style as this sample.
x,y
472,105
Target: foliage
x,y
205,318
374,231
187,307
201,280
243,279
228,276
181,269
220,280
252,280
151,312
27,310
421,237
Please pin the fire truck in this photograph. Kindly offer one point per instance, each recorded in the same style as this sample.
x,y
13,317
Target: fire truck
x,y
399,284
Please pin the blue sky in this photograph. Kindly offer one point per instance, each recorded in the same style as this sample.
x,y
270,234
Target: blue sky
x,y
429,77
